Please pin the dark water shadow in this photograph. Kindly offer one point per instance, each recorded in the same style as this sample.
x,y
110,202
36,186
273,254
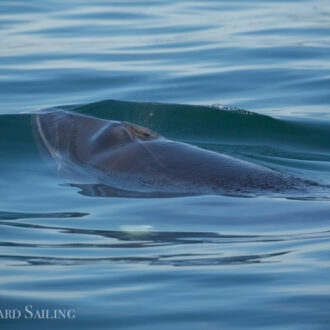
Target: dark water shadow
x,y
177,260
132,240
18,215
102,190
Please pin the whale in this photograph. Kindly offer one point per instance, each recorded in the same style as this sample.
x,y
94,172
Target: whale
x,y
118,158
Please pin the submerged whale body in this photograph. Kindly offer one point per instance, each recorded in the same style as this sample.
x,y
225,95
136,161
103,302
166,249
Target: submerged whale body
x,y
122,159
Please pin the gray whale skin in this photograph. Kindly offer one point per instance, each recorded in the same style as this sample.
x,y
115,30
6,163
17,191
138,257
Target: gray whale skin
x,y
115,158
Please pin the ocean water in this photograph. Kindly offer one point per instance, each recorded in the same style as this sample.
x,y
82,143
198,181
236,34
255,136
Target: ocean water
x,y
183,69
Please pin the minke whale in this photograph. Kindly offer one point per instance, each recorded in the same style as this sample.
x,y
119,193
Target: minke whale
x,y
117,158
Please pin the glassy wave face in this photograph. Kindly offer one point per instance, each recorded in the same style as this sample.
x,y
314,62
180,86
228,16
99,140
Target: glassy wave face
x,y
131,259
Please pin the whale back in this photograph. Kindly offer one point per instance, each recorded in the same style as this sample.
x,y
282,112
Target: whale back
x,y
128,156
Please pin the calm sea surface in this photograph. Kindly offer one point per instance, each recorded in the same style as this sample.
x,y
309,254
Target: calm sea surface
x,y
201,262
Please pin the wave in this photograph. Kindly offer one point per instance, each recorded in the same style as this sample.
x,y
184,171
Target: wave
x,y
215,124
212,125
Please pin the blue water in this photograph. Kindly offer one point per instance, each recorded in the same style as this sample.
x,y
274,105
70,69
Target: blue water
x,y
213,262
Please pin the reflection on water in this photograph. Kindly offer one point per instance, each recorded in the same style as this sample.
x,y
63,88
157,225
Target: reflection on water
x,y
101,190
134,240
18,215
